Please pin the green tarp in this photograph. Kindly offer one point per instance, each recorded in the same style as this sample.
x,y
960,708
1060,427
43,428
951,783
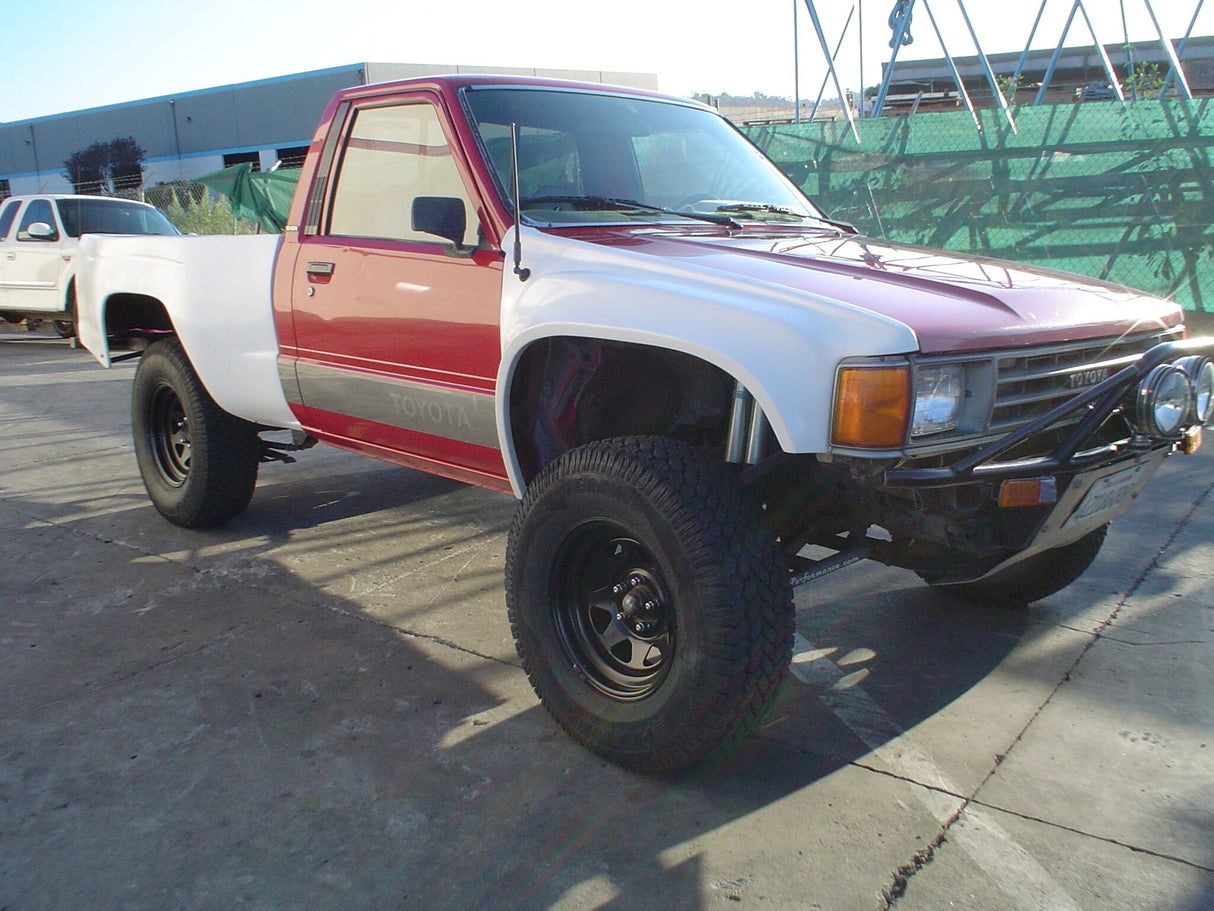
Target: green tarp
x,y
261,197
1123,192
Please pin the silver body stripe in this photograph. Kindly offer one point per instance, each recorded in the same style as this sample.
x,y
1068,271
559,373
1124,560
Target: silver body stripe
x,y
290,385
453,414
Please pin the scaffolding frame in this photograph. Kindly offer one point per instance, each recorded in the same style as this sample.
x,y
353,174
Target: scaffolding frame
x,y
900,21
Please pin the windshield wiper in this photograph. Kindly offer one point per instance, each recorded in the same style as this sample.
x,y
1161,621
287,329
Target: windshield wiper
x,y
757,207
782,210
599,203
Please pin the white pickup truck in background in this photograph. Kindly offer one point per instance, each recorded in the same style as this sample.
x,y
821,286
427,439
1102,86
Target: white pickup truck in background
x,y
39,236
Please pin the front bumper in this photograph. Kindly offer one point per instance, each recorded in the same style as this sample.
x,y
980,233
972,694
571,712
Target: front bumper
x,y
1082,484
1099,403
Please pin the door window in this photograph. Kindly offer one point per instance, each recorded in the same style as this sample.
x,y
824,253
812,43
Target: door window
x,y
7,214
392,156
38,210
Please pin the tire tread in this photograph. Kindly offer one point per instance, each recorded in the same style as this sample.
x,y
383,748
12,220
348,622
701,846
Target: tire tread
x,y
747,600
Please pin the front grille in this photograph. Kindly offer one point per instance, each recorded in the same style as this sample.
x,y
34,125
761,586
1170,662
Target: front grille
x,y
1031,382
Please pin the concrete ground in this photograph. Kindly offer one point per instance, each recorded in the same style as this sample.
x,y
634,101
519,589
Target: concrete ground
x,y
319,706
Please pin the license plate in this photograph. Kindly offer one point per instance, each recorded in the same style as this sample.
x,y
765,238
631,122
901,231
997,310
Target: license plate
x,y
1107,493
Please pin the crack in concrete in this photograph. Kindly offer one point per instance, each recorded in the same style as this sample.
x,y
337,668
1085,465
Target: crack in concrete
x,y
1103,838
901,877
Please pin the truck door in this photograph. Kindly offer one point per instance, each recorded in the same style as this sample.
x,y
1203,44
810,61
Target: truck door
x,y
8,215
34,262
397,329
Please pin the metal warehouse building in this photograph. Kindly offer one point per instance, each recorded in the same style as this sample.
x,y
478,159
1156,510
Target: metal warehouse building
x,y
1074,70
186,135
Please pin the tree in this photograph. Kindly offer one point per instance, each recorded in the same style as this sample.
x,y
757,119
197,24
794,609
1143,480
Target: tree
x,y
1009,85
1145,80
104,168
126,164
88,169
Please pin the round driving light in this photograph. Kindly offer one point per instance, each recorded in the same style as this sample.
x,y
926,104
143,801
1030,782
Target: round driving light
x,y
1200,372
1164,399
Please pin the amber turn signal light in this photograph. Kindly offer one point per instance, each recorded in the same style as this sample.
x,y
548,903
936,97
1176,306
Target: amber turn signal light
x,y
872,407
1028,492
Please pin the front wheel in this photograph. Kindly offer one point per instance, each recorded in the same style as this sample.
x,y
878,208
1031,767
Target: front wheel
x,y
199,463
1037,577
649,602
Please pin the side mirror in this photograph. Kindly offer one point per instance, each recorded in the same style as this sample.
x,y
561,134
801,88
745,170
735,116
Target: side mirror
x,y
442,216
40,230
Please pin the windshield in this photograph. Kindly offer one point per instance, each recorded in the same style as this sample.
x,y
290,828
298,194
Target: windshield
x,y
111,216
586,157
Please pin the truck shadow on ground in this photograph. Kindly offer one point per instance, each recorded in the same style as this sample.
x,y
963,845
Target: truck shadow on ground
x,y
318,706
280,749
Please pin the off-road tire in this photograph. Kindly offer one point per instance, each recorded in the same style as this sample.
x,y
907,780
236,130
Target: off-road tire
x,y
692,661
1037,577
198,462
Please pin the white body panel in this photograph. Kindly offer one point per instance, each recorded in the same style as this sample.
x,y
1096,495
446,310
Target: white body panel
x,y
783,345
35,276
217,294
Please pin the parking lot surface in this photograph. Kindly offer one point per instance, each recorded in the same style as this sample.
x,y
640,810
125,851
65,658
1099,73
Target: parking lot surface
x,y
319,706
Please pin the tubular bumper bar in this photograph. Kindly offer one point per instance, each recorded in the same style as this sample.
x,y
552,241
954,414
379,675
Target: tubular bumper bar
x,y
1100,401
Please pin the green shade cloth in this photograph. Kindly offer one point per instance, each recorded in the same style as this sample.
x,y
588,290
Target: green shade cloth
x,y
261,197
1120,192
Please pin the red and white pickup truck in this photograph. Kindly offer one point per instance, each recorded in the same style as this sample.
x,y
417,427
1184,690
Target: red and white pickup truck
x,y
703,390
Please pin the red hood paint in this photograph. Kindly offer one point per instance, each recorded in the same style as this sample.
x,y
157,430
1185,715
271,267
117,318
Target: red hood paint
x,y
952,301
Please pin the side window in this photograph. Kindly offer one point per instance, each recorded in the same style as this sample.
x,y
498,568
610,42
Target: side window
x,y
235,158
7,214
392,156
38,210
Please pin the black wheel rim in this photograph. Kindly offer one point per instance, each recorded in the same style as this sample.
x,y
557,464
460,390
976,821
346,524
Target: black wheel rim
x,y
169,435
613,611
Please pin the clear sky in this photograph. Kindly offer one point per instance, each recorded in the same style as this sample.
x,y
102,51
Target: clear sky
x,y
67,55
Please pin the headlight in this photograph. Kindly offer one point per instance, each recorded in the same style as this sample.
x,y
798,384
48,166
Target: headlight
x,y
939,392
1164,399
1200,372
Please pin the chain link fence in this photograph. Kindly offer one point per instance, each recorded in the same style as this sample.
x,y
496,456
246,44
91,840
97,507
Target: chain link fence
x,y
1119,192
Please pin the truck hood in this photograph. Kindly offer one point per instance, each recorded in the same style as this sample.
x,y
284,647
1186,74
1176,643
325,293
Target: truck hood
x,y
951,301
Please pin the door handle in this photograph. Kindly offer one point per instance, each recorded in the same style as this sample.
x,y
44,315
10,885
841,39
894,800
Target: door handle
x,y
320,268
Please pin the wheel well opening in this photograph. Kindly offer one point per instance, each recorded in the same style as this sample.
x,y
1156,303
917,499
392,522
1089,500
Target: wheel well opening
x,y
570,391
132,317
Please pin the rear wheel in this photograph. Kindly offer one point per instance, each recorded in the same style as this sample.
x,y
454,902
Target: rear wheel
x,y
649,601
66,328
1037,577
198,463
